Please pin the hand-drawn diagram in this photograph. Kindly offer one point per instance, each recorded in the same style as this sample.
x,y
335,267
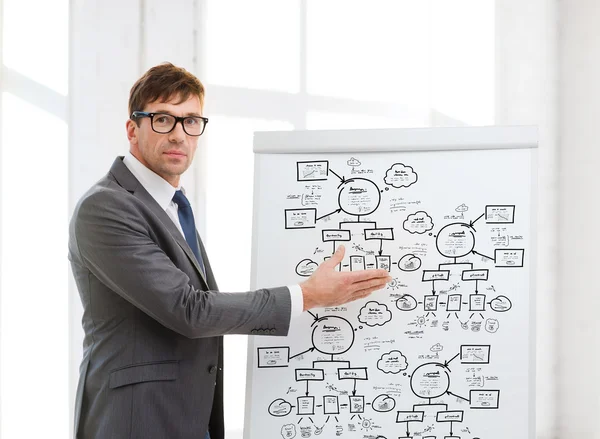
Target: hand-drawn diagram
x,y
395,365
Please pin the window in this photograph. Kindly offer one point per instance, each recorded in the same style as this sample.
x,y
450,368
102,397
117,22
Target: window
x,y
33,220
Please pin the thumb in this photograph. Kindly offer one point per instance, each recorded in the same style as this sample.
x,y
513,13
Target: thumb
x,y
337,257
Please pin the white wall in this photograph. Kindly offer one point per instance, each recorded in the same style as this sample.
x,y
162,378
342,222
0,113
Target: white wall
x,y
526,93
579,189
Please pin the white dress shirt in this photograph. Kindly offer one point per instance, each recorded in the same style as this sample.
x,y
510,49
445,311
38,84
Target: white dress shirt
x,y
163,193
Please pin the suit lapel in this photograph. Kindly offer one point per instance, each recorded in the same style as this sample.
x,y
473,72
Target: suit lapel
x,y
128,181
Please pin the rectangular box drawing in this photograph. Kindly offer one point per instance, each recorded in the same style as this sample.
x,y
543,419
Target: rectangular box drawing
x,y
510,258
310,374
300,218
454,302
500,214
430,303
353,373
312,170
357,404
331,405
410,416
336,235
385,234
273,356
450,416
429,275
384,262
475,354
306,405
357,263
484,399
475,274
477,302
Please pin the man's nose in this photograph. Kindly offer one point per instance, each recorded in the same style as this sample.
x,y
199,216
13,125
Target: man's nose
x,y
177,135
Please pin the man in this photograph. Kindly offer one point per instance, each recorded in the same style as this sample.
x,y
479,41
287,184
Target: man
x,y
153,319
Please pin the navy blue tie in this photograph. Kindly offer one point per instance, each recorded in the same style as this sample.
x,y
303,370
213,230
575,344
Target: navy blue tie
x,y
186,219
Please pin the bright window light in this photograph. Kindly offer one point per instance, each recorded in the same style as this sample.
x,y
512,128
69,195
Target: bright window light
x,y
34,309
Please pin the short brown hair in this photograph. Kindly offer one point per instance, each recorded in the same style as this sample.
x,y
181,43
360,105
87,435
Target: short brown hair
x,y
163,82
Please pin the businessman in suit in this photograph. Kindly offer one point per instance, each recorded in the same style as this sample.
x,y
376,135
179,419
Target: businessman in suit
x,y
153,316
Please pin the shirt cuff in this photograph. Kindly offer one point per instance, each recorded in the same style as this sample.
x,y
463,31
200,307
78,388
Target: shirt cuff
x,y
297,300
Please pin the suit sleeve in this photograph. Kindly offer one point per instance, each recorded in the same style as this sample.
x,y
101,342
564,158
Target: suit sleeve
x,y
114,242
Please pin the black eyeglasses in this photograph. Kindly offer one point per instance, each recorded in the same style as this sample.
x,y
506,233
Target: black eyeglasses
x,y
164,123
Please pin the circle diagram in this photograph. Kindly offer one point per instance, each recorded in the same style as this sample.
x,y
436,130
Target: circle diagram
x,y
359,196
455,240
332,335
430,380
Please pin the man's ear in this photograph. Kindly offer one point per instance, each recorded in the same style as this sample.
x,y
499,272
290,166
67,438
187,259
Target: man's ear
x,y
132,131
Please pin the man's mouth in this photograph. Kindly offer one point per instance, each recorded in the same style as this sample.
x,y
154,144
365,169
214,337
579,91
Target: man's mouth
x,y
175,153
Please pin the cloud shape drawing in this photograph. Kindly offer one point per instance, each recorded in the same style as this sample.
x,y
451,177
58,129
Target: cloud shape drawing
x,y
409,262
501,304
374,314
400,175
436,348
280,407
462,208
288,431
418,222
492,325
392,362
353,162
383,403
406,303
306,267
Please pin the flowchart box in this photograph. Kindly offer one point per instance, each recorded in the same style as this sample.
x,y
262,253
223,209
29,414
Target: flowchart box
x,y
353,373
430,303
510,258
484,399
312,170
331,405
450,416
477,302
454,302
336,235
384,262
386,234
500,214
475,274
306,405
278,356
300,218
410,417
357,263
475,354
429,275
310,374
357,404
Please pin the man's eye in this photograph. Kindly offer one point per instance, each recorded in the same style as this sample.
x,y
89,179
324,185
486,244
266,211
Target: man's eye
x,y
191,121
161,119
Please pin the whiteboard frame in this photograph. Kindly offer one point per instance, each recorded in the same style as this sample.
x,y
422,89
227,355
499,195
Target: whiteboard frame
x,y
401,140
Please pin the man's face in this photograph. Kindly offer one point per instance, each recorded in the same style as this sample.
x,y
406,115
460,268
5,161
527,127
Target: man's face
x,y
168,155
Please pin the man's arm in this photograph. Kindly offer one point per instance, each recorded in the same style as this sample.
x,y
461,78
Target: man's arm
x,y
116,246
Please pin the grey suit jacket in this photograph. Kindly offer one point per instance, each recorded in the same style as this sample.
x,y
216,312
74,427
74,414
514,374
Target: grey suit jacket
x,y
152,362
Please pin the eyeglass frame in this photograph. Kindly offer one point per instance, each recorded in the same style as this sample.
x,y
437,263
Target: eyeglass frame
x,y
137,114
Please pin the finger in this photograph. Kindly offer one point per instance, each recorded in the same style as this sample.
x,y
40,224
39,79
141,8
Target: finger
x,y
361,294
370,283
359,276
336,258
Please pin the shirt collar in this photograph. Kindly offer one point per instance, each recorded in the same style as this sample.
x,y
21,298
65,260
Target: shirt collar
x,y
157,187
